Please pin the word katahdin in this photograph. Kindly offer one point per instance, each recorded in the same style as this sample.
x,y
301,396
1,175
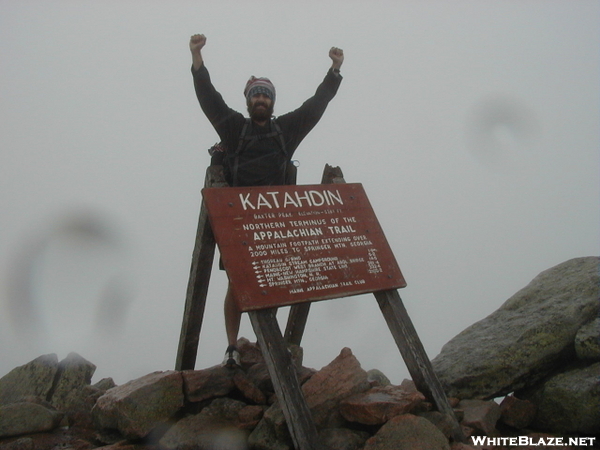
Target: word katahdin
x,y
276,199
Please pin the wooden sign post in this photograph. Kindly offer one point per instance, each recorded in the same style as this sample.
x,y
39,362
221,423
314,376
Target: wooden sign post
x,y
202,261
293,245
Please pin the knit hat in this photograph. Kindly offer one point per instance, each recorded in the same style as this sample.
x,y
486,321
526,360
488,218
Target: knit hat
x,y
256,86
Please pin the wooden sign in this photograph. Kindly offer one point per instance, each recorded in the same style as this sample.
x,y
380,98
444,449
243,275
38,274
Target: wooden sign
x,y
283,245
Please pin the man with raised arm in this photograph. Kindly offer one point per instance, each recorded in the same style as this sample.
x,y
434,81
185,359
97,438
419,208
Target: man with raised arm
x,y
256,151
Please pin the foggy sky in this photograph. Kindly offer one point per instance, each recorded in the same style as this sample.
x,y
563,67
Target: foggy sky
x,y
473,127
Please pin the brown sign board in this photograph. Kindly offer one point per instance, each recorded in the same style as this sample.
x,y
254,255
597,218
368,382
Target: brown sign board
x,y
283,245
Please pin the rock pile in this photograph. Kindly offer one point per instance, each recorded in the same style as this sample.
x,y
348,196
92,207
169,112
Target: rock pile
x,y
48,405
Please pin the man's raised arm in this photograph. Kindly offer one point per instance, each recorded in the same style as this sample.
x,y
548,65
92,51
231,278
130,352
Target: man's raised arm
x,y
198,41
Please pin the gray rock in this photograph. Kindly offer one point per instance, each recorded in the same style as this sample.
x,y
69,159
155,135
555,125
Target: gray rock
x,y
74,373
443,423
27,418
377,378
105,384
32,379
568,401
527,338
587,341
342,439
203,432
266,437
272,432
137,407
408,432
225,409
25,443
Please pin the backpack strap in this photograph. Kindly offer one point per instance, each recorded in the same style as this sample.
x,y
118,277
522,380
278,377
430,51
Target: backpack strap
x,y
238,150
280,133
243,137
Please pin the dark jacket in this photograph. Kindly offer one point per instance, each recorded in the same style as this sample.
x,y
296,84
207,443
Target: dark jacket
x,y
262,161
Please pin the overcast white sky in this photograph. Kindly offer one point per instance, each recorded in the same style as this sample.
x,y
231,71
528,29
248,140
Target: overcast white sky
x,y
473,126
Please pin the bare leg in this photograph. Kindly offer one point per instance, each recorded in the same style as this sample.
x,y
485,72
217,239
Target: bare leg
x,y
233,317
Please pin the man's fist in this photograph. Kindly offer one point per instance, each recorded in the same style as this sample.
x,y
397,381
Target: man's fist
x,y
197,41
337,56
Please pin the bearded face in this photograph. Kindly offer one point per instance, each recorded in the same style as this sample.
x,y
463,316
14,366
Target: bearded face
x,y
260,108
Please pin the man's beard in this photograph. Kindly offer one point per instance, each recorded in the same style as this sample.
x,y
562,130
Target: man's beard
x,y
260,114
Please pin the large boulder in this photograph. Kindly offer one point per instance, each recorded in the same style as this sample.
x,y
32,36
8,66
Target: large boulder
x,y
271,432
342,439
200,385
335,382
408,432
34,379
568,402
221,425
587,341
27,417
527,338
137,407
45,389
75,373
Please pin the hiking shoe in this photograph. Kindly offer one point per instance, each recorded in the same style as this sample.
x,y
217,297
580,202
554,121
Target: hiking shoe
x,y
232,357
